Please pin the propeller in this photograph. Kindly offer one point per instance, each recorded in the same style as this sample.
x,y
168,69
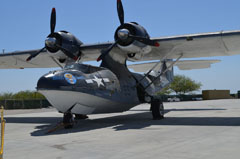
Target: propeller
x,y
121,19
52,28
35,54
124,33
53,20
105,52
52,41
144,40
120,11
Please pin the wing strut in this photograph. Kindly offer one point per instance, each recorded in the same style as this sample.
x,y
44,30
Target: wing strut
x,y
56,62
149,71
173,63
164,58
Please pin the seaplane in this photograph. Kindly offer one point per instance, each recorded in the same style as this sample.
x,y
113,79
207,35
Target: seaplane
x,y
78,89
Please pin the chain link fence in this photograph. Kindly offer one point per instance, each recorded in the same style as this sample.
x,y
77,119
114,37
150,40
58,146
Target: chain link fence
x,y
24,104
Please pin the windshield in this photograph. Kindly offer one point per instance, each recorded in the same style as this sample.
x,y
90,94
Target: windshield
x,y
67,67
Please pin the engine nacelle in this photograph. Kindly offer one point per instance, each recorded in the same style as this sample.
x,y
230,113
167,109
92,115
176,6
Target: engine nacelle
x,y
60,42
58,55
135,49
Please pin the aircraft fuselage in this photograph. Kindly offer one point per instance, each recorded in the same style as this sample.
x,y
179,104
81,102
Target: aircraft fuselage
x,y
86,89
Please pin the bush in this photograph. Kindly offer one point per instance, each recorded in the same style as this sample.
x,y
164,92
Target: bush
x,y
23,100
22,95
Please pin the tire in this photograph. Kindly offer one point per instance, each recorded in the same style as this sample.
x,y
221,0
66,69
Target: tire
x,y
157,109
68,120
68,126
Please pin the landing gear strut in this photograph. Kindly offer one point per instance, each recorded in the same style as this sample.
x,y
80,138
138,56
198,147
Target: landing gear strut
x,y
157,109
68,120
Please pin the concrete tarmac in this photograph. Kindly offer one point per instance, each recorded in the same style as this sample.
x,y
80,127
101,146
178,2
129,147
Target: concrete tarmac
x,y
190,130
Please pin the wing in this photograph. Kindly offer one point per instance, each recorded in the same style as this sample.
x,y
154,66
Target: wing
x,y
188,46
196,45
182,65
17,60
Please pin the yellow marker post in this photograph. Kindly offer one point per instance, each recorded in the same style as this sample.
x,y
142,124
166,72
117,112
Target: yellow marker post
x,y
2,132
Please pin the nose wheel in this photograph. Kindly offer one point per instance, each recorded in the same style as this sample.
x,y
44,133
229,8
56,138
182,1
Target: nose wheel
x,y
157,109
68,120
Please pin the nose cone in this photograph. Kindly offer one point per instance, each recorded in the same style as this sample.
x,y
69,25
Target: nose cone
x,y
50,41
50,81
123,34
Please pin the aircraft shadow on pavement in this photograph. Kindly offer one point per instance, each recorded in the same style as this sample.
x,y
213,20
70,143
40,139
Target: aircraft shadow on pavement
x,y
32,120
125,122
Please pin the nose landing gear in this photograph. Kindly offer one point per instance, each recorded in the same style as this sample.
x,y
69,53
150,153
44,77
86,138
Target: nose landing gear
x,y
68,120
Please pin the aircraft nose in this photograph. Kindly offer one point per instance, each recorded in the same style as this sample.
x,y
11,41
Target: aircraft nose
x,y
50,81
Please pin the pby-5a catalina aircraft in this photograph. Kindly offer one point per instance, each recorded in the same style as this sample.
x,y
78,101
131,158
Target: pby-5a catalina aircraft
x,y
82,89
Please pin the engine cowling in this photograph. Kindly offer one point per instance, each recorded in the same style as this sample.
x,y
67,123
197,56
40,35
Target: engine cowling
x,y
58,43
130,37
62,45
135,49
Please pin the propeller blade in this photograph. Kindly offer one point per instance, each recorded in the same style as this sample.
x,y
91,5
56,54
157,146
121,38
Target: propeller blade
x,y
53,20
34,55
105,52
145,40
120,11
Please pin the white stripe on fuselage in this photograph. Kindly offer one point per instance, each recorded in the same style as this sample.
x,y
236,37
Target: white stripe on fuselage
x,y
83,103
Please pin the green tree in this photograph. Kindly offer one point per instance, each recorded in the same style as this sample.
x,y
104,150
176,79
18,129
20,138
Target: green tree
x,y
165,91
182,85
28,95
4,96
22,95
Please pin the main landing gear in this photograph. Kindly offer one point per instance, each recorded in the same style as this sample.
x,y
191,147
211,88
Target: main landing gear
x,y
157,109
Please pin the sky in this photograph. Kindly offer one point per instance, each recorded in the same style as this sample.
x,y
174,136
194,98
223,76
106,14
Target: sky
x,y
25,24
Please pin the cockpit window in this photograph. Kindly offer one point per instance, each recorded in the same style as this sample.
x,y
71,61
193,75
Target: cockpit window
x,y
69,67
